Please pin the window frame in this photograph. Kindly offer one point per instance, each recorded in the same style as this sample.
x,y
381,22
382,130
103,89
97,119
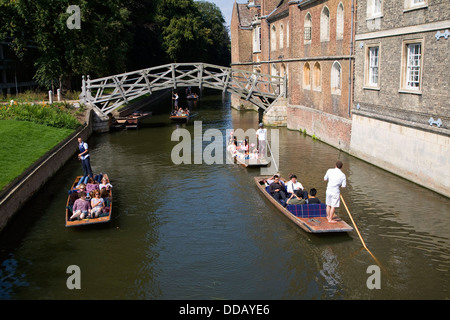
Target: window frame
x,y
325,36
308,18
405,67
367,67
306,85
336,90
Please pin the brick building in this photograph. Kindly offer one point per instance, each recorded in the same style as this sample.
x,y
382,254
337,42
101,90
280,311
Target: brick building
x,y
310,42
369,77
401,115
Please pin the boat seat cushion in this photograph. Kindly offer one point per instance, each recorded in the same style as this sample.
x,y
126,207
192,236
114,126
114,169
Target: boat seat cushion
x,y
308,210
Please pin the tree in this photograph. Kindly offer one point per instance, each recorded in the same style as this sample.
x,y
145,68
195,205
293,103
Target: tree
x,y
98,48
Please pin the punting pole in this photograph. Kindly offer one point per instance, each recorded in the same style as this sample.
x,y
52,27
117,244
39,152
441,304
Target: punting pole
x,y
356,228
271,155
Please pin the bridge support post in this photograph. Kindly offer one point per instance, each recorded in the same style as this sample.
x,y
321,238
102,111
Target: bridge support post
x,y
276,115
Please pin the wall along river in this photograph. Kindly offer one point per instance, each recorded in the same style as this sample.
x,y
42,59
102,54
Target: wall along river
x,y
198,231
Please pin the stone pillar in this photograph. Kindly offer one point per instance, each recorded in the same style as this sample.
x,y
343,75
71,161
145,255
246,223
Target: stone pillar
x,y
276,115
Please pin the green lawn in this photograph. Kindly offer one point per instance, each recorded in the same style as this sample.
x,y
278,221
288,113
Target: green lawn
x,y
22,143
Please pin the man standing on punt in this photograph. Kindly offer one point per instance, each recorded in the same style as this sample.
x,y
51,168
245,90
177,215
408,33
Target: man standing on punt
x,y
84,157
336,179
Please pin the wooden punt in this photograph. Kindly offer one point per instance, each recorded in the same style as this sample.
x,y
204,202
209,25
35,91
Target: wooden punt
x,y
184,118
251,162
239,159
309,217
84,222
192,96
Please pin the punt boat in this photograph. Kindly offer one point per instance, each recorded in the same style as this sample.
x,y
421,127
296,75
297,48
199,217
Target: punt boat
x,y
240,158
311,218
105,217
182,118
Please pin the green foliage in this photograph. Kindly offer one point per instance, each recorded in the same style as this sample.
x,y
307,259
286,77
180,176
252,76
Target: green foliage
x,y
114,35
56,115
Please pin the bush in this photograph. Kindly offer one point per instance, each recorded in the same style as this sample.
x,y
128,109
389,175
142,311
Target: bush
x,y
58,115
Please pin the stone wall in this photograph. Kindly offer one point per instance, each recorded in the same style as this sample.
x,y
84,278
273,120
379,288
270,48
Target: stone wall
x,y
326,127
418,155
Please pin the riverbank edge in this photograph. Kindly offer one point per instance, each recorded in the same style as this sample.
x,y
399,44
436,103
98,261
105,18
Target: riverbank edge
x,y
18,192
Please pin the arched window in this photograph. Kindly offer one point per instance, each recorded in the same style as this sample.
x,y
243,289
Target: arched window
x,y
273,38
336,78
281,36
317,77
325,24
307,26
287,35
340,22
306,76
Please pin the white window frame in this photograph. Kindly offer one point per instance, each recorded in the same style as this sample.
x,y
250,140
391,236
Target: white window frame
x,y
414,5
374,9
336,78
340,21
412,66
307,23
257,39
370,65
325,24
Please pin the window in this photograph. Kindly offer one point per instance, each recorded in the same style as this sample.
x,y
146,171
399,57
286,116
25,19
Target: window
x,y
307,28
340,22
306,76
257,39
287,35
415,4
273,39
373,66
281,36
317,81
325,25
413,66
375,9
336,75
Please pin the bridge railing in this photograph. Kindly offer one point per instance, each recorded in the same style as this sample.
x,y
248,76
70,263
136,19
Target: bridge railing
x,y
109,93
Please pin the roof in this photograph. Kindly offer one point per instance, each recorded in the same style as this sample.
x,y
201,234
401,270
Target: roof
x,y
244,15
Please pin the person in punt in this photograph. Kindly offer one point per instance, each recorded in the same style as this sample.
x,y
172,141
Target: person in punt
x,y
81,207
276,189
312,199
97,204
336,180
105,184
294,186
91,186
295,199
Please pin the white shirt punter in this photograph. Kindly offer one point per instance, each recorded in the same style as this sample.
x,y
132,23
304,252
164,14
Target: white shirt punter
x,y
261,133
336,179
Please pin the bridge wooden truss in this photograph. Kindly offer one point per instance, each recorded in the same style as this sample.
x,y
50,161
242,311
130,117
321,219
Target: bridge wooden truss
x,y
109,93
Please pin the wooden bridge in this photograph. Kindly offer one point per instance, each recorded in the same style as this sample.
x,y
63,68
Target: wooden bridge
x,y
109,93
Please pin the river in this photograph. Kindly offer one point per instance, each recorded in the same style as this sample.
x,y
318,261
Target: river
x,y
199,231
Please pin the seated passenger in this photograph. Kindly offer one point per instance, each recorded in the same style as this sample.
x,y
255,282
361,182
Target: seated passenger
x,y
91,186
105,184
293,186
312,198
295,199
97,204
81,207
276,189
